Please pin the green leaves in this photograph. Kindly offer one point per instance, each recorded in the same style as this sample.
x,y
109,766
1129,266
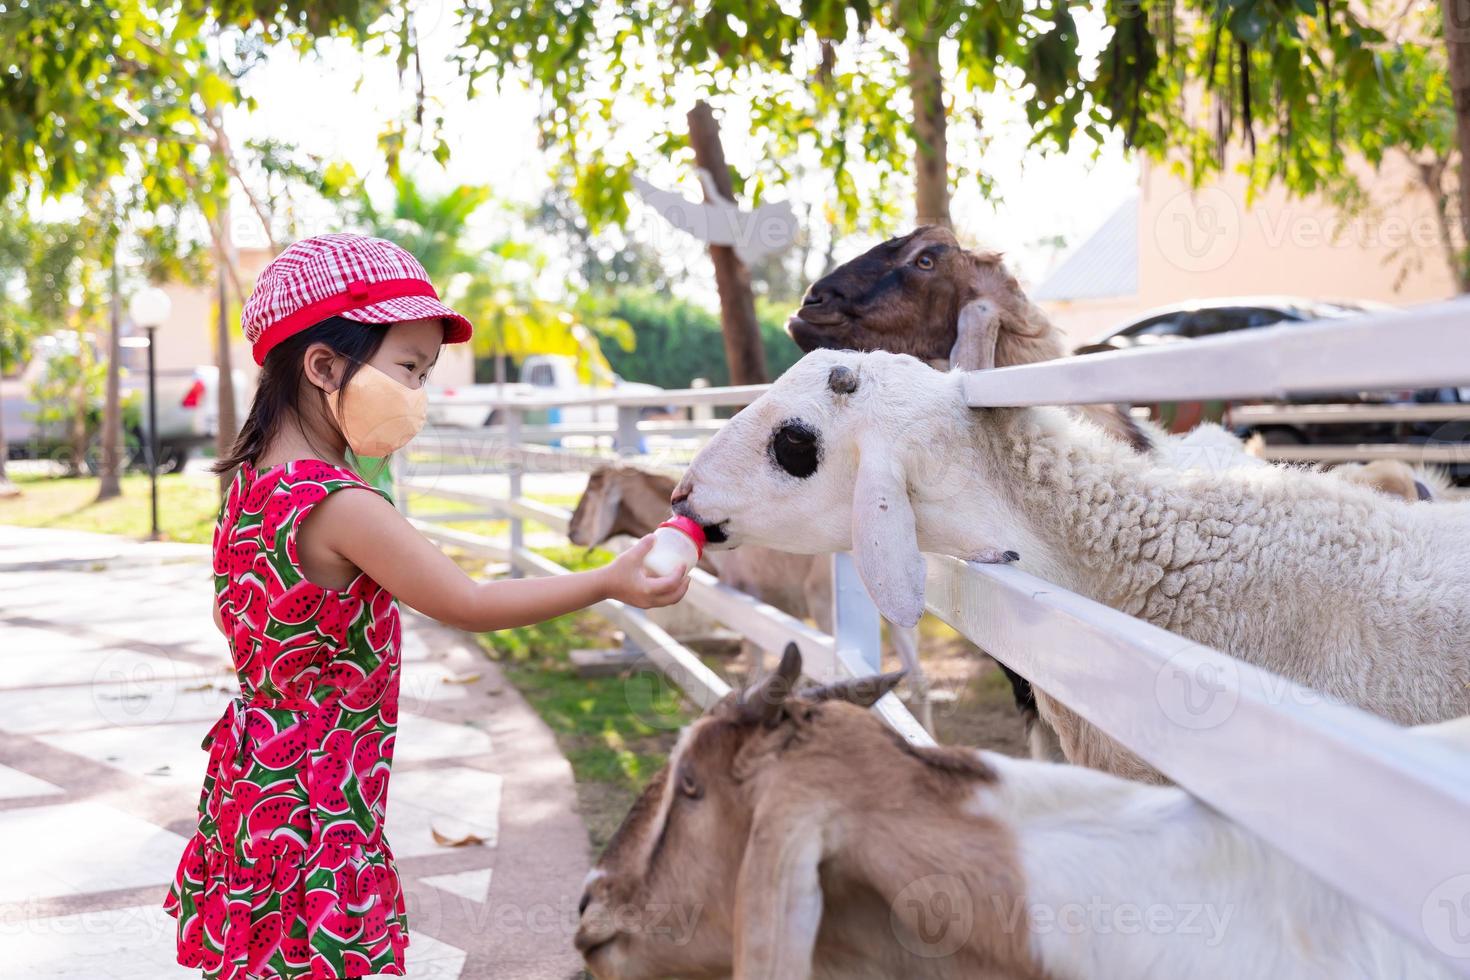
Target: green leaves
x,y
1302,85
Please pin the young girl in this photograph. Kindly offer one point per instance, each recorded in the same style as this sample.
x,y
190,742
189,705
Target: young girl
x,y
289,875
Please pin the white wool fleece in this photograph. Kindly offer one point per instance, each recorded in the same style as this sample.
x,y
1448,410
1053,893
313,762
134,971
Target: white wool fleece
x,y
1360,596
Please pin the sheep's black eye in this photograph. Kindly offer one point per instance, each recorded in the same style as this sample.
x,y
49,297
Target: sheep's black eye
x,y
925,261
796,449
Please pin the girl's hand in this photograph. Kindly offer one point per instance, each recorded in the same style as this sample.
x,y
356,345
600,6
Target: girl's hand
x,y
628,581
401,560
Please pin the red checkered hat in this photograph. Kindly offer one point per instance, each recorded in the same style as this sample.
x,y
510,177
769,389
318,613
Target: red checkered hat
x,y
364,279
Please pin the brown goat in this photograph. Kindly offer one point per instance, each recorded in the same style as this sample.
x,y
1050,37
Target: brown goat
x,y
925,295
794,837
706,875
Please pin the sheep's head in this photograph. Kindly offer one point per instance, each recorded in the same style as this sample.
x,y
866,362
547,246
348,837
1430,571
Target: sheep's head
x,y
662,898
832,458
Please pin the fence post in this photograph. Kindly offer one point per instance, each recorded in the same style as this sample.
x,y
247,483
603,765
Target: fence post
x,y
854,617
395,473
626,441
702,412
517,526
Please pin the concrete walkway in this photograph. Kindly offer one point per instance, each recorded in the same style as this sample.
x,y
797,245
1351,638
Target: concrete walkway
x,y
111,672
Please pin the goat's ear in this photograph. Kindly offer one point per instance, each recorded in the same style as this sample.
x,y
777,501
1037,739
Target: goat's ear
x,y
778,897
885,545
765,702
604,516
977,331
861,691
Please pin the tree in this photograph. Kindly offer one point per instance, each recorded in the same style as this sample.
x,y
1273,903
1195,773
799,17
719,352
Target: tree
x,y
51,282
1306,89
828,79
1457,45
90,93
494,284
678,341
742,331
16,324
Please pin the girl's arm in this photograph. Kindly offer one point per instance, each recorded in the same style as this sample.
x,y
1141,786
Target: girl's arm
x,y
368,532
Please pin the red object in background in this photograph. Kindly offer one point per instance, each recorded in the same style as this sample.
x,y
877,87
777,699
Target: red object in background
x,y
194,395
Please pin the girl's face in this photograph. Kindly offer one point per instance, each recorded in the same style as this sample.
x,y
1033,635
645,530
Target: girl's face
x,y
409,350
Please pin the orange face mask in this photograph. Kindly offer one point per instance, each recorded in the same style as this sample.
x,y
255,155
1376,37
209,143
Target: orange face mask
x,y
377,414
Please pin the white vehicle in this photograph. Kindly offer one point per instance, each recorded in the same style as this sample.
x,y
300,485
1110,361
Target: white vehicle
x,y
543,377
188,406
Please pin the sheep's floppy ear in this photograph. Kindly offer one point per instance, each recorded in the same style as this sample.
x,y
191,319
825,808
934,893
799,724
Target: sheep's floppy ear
x,y
885,545
977,331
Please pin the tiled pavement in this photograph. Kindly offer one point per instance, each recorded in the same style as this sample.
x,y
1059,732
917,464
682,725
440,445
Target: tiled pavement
x,y
111,671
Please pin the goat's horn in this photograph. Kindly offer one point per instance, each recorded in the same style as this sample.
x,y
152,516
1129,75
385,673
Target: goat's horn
x,y
765,702
861,691
842,379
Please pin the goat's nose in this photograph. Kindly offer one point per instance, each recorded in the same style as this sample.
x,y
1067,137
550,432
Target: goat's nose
x,y
682,491
820,294
595,925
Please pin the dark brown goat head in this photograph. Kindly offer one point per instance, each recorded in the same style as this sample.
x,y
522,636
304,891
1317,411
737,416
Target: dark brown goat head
x,y
925,295
905,296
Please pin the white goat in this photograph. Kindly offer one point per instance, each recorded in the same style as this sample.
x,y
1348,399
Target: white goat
x,y
794,836
1342,589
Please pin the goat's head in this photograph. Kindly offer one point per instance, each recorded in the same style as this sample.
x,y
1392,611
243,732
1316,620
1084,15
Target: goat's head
x,y
730,834
837,456
619,499
910,295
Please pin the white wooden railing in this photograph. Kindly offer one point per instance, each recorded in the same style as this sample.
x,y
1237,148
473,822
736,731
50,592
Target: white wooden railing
x,y
1379,813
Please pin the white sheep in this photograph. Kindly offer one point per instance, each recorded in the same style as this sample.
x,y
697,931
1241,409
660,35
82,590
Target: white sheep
x,y
631,500
1357,595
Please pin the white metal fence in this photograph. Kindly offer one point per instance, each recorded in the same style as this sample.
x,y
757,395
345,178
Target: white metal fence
x,y
1379,813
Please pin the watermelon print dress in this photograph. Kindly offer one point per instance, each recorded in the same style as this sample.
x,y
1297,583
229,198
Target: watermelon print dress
x,y
288,875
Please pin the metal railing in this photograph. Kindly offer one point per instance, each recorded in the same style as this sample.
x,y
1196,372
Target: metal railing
x,y
1380,813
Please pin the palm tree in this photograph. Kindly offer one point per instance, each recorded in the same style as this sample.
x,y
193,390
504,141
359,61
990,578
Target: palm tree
x,y
511,319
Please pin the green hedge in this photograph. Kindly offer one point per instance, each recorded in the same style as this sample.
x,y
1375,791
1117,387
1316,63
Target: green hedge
x,y
678,341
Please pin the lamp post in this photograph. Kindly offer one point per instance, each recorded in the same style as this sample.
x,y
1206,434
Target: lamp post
x,y
149,308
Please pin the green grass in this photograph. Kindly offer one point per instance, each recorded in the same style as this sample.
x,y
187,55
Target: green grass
x,y
615,731
187,506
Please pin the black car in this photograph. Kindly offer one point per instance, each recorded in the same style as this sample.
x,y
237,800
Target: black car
x,y
1207,318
